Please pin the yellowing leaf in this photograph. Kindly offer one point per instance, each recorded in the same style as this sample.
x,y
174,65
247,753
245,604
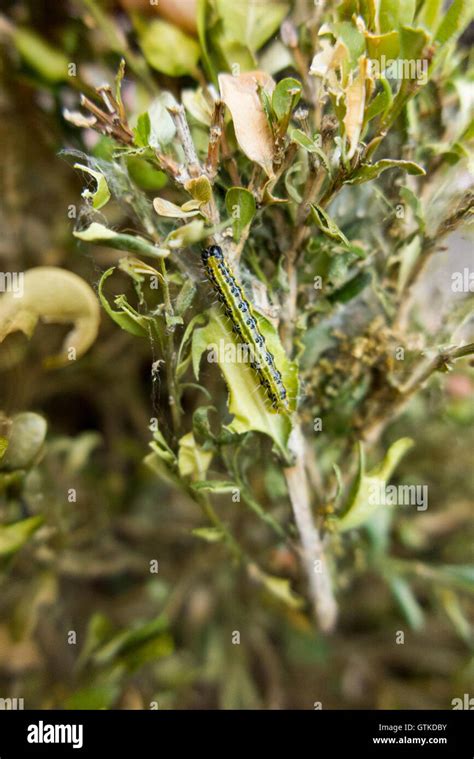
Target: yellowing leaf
x,y
25,441
279,587
51,294
193,460
171,210
253,133
355,106
328,61
200,188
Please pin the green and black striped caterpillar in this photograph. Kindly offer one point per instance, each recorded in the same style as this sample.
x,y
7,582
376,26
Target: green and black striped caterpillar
x,y
240,312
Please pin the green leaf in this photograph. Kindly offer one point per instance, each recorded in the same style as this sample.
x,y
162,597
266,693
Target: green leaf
x,y
329,227
394,13
387,45
185,297
3,447
25,441
368,171
197,105
145,175
458,575
134,647
49,62
101,196
406,599
310,146
202,23
363,499
352,288
408,256
101,235
454,21
285,97
381,102
241,206
412,42
352,38
94,697
14,536
141,133
161,447
127,321
209,534
455,612
251,22
246,401
186,235
162,126
216,486
429,14
279,587
168,49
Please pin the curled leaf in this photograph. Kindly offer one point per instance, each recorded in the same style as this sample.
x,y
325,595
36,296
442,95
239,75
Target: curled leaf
x,y
329,227
368,171
363,500
193,460
355,107
25,441
186,235
171,210
125,317
279,587
101,196
51,294
285,97
241,206
101,235
200,189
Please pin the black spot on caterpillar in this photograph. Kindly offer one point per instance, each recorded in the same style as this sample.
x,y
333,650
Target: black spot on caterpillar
x,y
240,312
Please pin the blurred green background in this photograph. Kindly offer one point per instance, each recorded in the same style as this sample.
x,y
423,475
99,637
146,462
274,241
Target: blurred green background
x,y
85,622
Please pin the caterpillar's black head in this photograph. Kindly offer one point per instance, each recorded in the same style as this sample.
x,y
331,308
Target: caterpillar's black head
x,y
213,252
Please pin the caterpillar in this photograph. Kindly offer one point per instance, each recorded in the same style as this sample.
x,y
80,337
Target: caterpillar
x,y
245,325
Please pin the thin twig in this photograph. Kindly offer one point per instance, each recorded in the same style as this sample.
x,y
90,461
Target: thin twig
x,y
215,137
313,556
178,115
